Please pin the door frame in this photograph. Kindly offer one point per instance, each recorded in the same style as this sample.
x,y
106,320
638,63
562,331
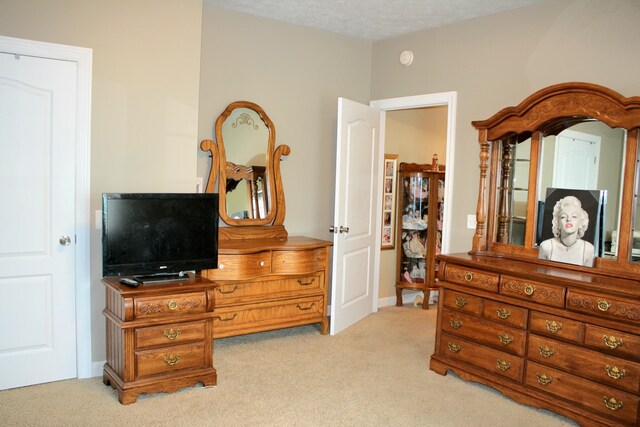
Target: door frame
x,y
420,101
84,58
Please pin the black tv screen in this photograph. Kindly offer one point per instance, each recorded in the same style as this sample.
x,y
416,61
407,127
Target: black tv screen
x,y
158,233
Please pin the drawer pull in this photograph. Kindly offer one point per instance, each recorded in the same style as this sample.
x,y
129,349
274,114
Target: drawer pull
x,y
172,334
544,379
301,283
305,308
172,305
453,348
503,313
505,339
261,263
468,276
546,352
503,365
529,290
553,326
221,267
613,403
227,318
172,359
455,323
461,302
230,291
603,305
615,373
611,342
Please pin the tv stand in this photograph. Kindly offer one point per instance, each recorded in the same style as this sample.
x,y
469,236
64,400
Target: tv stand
x,y
161,277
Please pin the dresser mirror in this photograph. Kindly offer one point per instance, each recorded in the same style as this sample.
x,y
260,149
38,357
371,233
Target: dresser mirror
x,y
245,167
575,136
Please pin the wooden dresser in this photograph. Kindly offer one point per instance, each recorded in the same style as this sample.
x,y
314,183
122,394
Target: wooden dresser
x,y
269,284
158,336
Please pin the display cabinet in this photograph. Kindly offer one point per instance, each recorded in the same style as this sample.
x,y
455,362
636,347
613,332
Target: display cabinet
x,y
419,227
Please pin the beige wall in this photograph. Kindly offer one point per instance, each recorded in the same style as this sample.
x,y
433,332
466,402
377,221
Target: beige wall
x,y
497,61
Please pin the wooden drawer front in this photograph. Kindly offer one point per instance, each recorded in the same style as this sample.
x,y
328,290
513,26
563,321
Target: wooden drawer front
x,y
604,306
502,337
463,302
612,342
556,327
297,262
169,359
177,304
542,293
606,370
244,266
172,334
613,404
242,292
471,277
257,317
491,360
505,313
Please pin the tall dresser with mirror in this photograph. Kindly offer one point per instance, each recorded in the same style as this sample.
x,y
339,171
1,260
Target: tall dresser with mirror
x,y
267,279
550,331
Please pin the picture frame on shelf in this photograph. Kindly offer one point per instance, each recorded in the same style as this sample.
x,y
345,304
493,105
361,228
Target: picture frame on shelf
x,y
389,189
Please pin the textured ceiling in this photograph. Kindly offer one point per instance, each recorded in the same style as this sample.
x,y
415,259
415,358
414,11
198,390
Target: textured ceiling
x,y
370,19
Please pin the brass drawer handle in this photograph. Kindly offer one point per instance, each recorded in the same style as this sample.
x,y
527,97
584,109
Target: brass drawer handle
x,y
468,276
226,319
615,373
172,359
461,302
503,313
613,403
453,348
544,379
529,290
546,352
611,342
455,323
301,283
235,288
553,326
303,308
172,305
503,365
603,305
172,334
505,339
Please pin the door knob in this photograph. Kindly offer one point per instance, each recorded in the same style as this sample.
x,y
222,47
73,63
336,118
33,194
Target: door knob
x,y
332,229
65,240
344,229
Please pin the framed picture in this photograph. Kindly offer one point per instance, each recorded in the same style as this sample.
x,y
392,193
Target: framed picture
x,y
389,201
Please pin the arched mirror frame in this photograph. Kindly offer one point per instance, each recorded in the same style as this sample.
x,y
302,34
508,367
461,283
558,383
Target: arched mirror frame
x,y
272,225
548,112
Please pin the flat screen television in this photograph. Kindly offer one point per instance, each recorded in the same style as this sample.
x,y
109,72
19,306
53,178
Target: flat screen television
x,y
158,236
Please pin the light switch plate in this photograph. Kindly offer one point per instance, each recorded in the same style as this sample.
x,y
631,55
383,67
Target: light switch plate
x,y
471,222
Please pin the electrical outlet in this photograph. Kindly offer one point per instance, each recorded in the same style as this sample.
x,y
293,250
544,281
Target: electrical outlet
x,y
471,222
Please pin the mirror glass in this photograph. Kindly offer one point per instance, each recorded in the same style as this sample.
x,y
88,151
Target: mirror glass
x,y
635,248
246,140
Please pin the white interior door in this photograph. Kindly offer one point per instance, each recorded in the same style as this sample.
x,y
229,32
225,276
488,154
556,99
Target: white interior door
x,y
38,101
356,242
577,161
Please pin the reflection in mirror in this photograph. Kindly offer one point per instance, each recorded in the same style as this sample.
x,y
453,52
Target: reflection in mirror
x,y
586,156
520,192
635,248
246,139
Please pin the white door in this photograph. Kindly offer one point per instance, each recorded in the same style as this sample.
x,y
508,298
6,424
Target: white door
x,y
356,242
37,244
577,161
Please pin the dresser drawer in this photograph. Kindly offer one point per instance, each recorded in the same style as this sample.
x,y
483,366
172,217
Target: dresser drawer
x,y
502,337
505,313
612,342
169,359
557,327
471,277
605,401
239,292
244,266
298,262
264,316
491,360
172,334
177,304
606,370
463,302
541,293
604,306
